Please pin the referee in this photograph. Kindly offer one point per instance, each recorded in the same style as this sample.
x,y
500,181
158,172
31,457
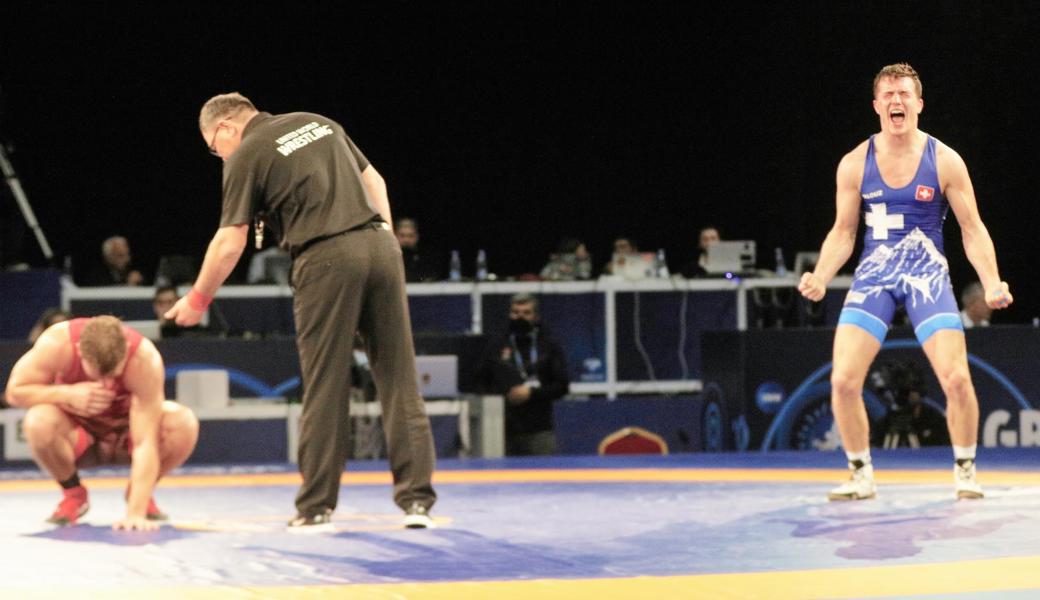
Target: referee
x,y
300,177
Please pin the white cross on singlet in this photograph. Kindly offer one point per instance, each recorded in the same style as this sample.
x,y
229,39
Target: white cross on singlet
x,y
880,221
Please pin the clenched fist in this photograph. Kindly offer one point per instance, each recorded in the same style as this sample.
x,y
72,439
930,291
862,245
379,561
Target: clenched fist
x,y
812,287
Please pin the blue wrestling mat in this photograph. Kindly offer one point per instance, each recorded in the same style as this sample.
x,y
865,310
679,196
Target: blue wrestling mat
x,y
680,526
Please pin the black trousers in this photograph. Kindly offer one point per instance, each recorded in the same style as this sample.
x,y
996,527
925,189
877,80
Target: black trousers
x,y
348,283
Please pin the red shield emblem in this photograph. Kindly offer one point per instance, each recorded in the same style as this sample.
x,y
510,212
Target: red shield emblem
x,y
924,193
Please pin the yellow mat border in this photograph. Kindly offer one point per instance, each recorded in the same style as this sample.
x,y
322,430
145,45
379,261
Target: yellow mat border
x,y
916,580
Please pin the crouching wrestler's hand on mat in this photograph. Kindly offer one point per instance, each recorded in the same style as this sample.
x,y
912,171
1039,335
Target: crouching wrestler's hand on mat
x,y
135,524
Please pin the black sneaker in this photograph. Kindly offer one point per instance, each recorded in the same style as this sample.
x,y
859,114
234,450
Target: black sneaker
x,y
317,523
417,516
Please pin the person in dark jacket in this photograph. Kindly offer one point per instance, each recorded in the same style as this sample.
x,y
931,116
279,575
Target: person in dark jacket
x,y
529,368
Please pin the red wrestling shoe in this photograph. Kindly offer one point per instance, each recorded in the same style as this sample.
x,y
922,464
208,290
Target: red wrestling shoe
x,y
73,505
153,513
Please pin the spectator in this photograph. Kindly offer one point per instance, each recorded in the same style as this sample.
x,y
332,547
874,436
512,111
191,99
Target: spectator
x,y
163,300
49,317
116,268
974,312
529,368
417,266
571,261
623,247
708,236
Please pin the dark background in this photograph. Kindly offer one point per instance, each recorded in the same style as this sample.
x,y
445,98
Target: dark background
x,y
509,125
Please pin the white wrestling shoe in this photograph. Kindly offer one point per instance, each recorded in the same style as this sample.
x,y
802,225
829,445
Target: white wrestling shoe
x,y
964,481
860,485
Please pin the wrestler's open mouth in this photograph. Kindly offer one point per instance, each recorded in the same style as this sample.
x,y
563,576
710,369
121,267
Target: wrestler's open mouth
x,y
897,116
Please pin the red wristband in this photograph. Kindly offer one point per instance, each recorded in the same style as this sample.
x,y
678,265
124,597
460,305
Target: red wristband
x,y
198,301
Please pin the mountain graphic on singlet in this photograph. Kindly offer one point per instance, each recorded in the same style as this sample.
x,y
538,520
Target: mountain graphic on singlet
x,y
914,266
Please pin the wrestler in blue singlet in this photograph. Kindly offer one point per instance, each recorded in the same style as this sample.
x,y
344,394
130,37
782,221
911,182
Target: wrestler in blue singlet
x,y
902,260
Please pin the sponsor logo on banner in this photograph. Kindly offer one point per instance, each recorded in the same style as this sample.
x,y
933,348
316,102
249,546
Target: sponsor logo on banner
x,y
996,431
769,396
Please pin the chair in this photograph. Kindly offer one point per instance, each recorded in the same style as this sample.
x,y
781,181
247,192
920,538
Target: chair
x,y
633,440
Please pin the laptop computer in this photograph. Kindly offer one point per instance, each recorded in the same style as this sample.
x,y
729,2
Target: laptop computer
x,y
730,257
438,375
634,267
148,328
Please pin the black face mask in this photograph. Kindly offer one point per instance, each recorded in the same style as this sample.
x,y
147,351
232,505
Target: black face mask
x,y
520,326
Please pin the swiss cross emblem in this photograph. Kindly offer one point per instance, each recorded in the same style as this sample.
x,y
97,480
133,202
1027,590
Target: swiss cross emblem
x,y
924,193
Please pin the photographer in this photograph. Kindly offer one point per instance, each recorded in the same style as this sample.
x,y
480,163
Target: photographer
x,y
910,420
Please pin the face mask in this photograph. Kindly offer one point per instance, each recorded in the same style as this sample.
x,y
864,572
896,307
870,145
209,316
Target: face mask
x,y
520,326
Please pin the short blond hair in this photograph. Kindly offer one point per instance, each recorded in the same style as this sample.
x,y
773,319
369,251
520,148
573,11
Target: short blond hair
x,y
223,106
896,71
102,343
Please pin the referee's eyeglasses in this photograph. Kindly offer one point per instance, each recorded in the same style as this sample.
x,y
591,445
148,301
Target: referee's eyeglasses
x,y
213,144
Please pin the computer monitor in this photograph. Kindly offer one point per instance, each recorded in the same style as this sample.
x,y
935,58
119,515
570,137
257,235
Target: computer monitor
x,y
735,256
805,262
176,269
277,268
148,328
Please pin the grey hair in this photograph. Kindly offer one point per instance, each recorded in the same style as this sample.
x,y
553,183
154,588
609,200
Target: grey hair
x,y
525,298
223,106
106,246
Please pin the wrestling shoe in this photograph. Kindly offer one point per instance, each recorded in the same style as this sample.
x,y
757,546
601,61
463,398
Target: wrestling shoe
x,y
73,505
860,485
964,480
417,516
153,513
317,523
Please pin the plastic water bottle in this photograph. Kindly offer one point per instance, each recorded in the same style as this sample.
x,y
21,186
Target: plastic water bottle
x,y
482,270
455,267
66,270
661,265
781,268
